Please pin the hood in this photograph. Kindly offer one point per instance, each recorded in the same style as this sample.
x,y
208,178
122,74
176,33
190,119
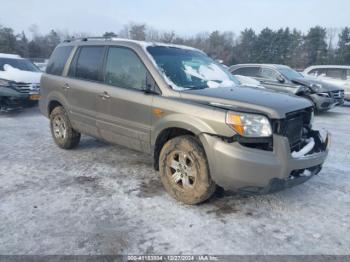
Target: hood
x,y
20,76
248,99
315,84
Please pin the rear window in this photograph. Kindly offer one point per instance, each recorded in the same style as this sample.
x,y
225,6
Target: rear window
x,y
247,71
88,63
58,60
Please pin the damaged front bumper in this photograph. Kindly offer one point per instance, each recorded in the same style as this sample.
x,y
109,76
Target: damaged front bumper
x,y
243,169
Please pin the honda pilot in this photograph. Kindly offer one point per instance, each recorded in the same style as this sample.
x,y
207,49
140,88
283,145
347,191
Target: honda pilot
x,y
174,102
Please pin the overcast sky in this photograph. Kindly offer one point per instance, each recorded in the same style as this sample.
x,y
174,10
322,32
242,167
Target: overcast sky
x,y
184,16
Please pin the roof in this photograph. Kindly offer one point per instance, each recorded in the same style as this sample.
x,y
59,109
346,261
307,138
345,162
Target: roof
x,y
116,40
3,55
328,66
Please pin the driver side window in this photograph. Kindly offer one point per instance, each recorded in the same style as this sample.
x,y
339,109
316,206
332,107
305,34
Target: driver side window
x,y
124,69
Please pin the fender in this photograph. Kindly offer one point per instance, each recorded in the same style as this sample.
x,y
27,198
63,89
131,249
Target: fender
x,y
187,122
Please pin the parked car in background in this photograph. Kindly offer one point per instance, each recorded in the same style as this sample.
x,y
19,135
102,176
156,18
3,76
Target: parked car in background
x,y
333,74
282,78
19,82
201,126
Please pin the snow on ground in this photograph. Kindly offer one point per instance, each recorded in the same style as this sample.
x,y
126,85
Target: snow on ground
x,y
105,199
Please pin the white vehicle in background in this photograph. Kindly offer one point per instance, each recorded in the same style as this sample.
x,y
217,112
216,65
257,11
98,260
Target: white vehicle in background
x,y
19,82
333,74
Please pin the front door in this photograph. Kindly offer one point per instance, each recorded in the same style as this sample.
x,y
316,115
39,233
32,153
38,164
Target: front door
x,y
123,106
269,78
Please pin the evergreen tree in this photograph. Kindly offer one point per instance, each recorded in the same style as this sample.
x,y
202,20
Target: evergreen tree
x,y
245,51
316,46
22,45
7,40
296,56
343,52
109,34
265,46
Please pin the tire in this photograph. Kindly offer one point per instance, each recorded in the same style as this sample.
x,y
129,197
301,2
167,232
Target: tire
x,y
61,129
184,171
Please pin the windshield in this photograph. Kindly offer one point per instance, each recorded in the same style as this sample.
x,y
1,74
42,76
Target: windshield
x,y
190,69
290,73
21,64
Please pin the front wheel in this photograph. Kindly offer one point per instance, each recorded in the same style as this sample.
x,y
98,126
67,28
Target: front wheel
x,y
184,170
61,129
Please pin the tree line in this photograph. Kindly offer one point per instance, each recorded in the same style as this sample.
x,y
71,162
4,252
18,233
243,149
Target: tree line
x,y
283,46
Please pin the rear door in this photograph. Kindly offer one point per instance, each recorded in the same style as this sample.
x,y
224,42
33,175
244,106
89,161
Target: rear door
x,y
123,106
83,86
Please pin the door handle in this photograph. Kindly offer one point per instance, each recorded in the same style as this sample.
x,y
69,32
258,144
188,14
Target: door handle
x,y
104,95
66,86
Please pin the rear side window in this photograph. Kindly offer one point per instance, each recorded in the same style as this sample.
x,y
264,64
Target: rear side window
x,y
125,69
247,71
58,60
87,65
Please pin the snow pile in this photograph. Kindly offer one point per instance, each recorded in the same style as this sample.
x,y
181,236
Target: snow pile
x,y
306,149
211,73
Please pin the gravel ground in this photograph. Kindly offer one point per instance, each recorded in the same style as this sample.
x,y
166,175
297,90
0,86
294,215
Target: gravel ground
x,y
105,199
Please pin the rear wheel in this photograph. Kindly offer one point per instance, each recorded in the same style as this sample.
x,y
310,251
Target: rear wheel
x,y
184,170
61,129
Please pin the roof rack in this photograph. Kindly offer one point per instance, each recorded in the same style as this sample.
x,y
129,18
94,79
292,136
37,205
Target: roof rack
x,y
104,38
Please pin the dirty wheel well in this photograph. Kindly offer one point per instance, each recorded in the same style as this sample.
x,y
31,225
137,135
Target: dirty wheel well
x,y
52,106
163,137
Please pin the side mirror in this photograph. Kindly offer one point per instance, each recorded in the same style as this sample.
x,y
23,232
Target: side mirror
x,y
280,79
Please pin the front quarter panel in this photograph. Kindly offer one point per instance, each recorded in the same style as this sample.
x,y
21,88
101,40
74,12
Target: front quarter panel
x,y
196,118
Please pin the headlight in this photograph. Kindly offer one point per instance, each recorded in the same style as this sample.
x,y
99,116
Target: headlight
x,y
316,87
323,94
249,125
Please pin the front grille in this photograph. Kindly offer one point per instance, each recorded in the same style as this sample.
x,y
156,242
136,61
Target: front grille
x,y
292,126
339,94
294,129
23,88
